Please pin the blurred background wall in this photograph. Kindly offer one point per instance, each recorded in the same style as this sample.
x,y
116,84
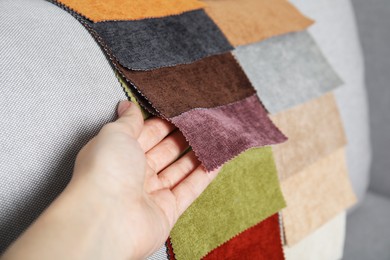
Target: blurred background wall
x,y
373,19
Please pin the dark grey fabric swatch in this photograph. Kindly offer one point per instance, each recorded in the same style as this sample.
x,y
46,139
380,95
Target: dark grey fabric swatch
x,y
163,42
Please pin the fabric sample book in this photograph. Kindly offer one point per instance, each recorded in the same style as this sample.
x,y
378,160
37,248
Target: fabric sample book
x,y
260,242
98,11
326,243
245,192
287,70
315,195
248,21
153,43
314,130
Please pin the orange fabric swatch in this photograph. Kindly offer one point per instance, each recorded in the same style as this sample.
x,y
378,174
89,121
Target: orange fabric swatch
x,y
315,195
98,11
248,21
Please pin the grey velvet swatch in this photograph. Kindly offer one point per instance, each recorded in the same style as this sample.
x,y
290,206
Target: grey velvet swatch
x,y
57,91
287,70
163,42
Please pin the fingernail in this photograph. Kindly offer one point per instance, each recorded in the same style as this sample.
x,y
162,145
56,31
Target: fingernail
x,y
123,106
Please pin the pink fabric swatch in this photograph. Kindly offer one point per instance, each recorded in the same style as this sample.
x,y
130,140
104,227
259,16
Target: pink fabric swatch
x,y
219,134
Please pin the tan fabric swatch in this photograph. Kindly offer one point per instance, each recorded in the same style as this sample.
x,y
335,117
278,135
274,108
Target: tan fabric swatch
x,y
316,195
314,130
248,21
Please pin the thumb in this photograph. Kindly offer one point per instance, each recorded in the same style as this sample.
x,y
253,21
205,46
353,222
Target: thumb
x,y
130,118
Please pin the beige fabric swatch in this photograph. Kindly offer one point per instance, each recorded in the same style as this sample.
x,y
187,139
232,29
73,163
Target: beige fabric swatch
x,y
314,130
326,243
249,21
316,195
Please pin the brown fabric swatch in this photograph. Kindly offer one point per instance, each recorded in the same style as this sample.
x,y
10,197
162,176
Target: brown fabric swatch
x,y
314,130
249,21
315,195
213,81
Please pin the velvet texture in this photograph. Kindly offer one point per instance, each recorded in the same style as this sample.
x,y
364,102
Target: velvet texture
x,y
178,89
219,134
163,42
325,243
130,95
249,21
260,242
245,192
98,11
314,130
316,195
287,70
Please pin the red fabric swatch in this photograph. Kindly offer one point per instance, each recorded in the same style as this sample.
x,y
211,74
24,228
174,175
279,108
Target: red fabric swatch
x,y
171,254
260,242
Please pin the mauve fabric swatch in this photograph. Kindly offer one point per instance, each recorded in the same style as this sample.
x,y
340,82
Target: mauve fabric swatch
x,y
249,21
315,195
287,70
314,130
260,242
210,82
218,134
98,11
163,42
245,192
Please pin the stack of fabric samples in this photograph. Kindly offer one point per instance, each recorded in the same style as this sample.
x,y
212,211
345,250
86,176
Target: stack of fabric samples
x,y
237,78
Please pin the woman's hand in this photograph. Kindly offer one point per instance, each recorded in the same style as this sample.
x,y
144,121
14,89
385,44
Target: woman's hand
x,y
127,192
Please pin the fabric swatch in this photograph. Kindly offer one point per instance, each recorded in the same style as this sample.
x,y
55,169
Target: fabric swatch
x,y
314,130
249,21
316,195
287,70
245,192
170,253
260,242
210,82
327,242
164,42
218,134
131,97
337,35
98,11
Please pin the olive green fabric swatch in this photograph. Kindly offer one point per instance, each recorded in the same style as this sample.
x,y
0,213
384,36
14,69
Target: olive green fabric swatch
x,y
245,192
131,96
